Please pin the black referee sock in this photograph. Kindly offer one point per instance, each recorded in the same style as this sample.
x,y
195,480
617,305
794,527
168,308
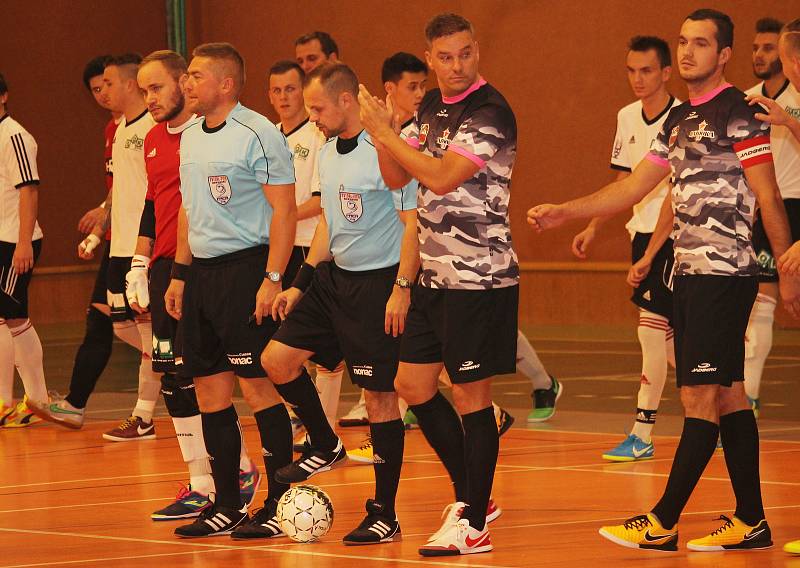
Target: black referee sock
x,y
388,439
482,444
442,428
91,358
276,445
303,396
739,434
697,445
224,444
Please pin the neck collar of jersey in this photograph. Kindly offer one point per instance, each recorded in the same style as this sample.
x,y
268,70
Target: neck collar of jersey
x,y
295,129
180,128
222,124
347,145
461,96
407,123
5,116
657,117
710,95
778,94
144,112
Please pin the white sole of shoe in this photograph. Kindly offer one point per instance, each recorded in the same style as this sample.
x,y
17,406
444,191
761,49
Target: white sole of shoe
x,y
111,438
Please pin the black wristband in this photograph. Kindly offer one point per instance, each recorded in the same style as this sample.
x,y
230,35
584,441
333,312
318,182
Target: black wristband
x,y
303,279
179,271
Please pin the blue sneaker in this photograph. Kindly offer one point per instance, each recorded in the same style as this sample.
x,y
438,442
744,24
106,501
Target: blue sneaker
x,y
633,448
755,404
248,484
187,504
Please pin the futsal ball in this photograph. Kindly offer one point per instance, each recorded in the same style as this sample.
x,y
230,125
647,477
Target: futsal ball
x,y
305,513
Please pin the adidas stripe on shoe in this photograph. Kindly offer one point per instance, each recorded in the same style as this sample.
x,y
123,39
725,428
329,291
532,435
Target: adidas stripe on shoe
x,y
377,527
214,521
310,463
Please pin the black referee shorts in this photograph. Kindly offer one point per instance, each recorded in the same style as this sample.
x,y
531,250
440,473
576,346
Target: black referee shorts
x,y
165,327
118,267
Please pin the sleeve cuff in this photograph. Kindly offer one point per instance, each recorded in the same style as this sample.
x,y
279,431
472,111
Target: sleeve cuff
x,y
620,168
468,155
27,183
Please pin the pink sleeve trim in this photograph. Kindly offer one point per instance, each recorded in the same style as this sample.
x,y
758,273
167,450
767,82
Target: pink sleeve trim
x,y
468,155
657,160
413,142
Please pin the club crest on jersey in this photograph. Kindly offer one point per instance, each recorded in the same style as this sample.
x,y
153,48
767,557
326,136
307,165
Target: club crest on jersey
x,y
352,208
220,189
673,136
444,140
300,152
701,132
423,133
793,112
134,142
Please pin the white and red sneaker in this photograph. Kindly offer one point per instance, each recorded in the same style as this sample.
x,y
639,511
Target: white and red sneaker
x,y
492,511
452,514
459,538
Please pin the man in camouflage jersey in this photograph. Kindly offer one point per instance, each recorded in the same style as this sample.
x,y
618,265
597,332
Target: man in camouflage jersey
x,y
719,157
463,314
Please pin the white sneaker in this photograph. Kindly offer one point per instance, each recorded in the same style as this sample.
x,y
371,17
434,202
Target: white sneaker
x,y
450,516
357,416
59,412
460,538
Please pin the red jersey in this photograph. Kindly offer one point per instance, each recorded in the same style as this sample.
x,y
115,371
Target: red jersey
x,y
162,161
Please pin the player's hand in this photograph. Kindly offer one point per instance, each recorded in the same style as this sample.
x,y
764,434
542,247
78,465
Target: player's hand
x,y
136,285
87,246
548,216
581,242
375,116
775,113
789,262
639,271
285,302
91,219
22,261
789,287
173,299
396,311
265,297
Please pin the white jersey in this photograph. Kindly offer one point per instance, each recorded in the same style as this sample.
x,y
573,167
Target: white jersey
x,y
631,144
785,147
130,183
304,142
17,170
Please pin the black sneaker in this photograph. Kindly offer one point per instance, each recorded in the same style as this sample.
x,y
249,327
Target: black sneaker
x,y
214,521
310,463
375,528
299,447
263,524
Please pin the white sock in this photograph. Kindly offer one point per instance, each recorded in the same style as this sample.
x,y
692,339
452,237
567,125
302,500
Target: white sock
x,y
149,381
758,343
127,332
28,359
6,364
244,458
193,449
652,331
530,365
329,386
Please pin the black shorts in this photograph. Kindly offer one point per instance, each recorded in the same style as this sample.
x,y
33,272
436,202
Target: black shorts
x,y
654,293
767,264
710,321
298,257
100,291
164,325
473,332
13,286
217,331
342,315
118,267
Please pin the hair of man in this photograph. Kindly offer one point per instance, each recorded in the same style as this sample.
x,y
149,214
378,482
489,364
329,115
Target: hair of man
x,y
172,61
326,42
94,68
3,85
768,26
335,78
284,66
446,24
231,62
399,63
790,35
643,44
723,23
128,65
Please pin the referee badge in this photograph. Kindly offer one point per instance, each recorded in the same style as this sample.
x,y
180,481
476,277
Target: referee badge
x,y
351,205
220,189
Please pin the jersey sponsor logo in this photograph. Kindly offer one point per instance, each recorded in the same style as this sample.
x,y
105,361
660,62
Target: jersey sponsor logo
x,y
352,208
701,132
704,368
423,133
793,112
220,189
444,140
301,152
109,167
241,359
362,370
673,135
134,142
617,149
442,113
469,366
692,115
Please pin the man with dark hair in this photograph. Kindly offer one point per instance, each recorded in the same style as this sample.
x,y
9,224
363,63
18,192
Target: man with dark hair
x,y
718,155
723,25
786,154
236,227
462,152
350,298
649,69
315,48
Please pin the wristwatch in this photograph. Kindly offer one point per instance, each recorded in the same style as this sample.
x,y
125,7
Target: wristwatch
x,y
273,276
402,282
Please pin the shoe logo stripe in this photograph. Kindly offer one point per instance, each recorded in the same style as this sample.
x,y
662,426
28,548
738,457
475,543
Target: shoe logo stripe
x,y
650,538
752,535
222,517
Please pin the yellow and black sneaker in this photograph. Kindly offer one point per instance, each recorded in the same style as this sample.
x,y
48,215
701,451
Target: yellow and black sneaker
x,y
734,535
792,547
642,531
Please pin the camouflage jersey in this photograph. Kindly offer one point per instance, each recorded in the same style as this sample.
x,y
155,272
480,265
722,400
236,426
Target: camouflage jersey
x,y
708,143
465,237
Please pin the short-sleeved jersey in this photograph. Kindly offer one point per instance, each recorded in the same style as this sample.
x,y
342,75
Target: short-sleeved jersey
x,y
708,143
785,147
130,183
631,144
110,130
465,236
17,169
223,171
304,142
364,230
162,161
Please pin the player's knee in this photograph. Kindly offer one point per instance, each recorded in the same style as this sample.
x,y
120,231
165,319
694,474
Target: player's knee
x,y
99,330
381,406
278,367
700,401
179,396
733,399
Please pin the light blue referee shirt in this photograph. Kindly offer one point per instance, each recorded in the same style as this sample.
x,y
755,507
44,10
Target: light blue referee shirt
x,y
222,172
364,229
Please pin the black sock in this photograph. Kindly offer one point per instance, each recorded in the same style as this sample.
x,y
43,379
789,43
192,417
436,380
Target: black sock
x,y
91,358
482,445
303,396
442,428
388,439
739,434
224,444
276,444
697,445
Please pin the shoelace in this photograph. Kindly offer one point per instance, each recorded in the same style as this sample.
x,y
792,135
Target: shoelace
x,y
366,444
638,523
728,524
184,491
130,421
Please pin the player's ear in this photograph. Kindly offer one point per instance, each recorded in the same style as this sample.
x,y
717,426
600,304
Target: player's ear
x,y
477,51
725,55
429,59
182,81
666,73
389,87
